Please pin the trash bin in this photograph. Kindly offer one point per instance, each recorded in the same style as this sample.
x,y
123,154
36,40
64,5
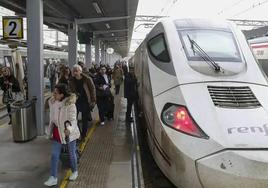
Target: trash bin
x,y
23,120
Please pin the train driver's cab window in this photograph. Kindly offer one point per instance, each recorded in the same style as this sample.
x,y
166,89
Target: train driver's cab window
x,y
218,45
158,48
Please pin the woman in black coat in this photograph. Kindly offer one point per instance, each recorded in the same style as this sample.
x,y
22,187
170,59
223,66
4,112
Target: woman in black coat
x,y
103,93
131,92
10,85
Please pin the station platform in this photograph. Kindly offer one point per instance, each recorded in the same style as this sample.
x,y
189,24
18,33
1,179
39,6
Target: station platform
x,y
105,160
22,164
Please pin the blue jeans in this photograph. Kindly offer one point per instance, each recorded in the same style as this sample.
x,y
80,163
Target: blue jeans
x,y
55,157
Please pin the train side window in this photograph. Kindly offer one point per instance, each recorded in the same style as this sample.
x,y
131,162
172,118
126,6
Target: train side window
x,y
158,48
8,63
2,62
24,62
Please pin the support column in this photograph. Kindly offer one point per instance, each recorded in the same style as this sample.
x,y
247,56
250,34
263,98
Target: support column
x,y
57,38
105,54
72,44
35,73
102,53
88,55
97,51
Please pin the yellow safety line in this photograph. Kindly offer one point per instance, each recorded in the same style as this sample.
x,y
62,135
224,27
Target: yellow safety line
x,y
66,178
82,146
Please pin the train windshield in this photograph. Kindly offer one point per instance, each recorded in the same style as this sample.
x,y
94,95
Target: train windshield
x,y
219,45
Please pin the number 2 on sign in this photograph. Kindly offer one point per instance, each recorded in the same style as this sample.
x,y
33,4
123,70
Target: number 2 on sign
x,y
13,25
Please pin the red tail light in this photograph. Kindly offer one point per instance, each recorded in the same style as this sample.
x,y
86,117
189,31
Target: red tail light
x,y
178,118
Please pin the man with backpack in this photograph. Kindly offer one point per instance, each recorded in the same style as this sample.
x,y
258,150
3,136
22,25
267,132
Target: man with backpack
x,y
83,86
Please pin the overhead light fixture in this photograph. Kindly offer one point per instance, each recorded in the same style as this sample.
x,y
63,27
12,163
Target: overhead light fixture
x,y
97,7
107,26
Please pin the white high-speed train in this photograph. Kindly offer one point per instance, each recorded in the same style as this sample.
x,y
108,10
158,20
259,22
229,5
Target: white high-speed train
x,y
205,101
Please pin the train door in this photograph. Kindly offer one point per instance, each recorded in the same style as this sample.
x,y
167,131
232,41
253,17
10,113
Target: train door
x,y
18,67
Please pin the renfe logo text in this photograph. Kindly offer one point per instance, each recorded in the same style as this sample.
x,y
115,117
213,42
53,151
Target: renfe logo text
x,y
254,129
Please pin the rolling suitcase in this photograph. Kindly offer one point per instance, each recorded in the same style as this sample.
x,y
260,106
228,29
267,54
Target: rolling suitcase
x,y
65,151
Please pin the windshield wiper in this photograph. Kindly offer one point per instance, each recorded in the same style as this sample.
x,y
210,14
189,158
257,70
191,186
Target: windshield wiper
x,y
203,54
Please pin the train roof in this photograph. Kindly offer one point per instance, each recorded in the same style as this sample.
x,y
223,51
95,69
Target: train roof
x,y
195,23
258,40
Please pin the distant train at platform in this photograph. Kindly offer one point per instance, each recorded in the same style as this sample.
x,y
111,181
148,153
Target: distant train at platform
x,y
260,49
16,60
204,98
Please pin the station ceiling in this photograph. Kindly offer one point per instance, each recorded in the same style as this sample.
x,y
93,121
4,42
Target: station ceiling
x,y
116,33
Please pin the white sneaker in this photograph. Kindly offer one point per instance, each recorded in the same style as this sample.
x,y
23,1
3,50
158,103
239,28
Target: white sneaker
x,y
51,181
73,176
102,123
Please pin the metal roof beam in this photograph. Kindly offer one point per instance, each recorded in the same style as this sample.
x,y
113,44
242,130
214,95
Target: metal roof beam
x,y
113,38
13,4
52,20
62,8
102,19
109,31
117,41
57,20
64,2
50,6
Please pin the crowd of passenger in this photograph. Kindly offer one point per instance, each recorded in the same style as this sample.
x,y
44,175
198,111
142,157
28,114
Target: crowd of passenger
x,y
75,90
91,87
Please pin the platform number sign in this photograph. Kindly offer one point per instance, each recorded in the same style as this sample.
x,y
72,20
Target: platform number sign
x,y
12,27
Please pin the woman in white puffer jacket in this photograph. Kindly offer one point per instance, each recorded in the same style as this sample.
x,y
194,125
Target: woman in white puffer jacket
x,y
62,109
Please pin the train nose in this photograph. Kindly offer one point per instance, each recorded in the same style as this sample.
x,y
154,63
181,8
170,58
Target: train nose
x,y
234,169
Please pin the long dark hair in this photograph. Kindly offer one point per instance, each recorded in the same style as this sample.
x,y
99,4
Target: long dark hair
x,y
63,89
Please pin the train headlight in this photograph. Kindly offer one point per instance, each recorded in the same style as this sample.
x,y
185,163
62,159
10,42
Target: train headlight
x,y
179,118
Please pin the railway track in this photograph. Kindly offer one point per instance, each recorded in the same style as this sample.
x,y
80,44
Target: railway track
x,y
152,175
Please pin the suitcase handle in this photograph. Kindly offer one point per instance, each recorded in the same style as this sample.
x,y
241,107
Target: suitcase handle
x,y
65,127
